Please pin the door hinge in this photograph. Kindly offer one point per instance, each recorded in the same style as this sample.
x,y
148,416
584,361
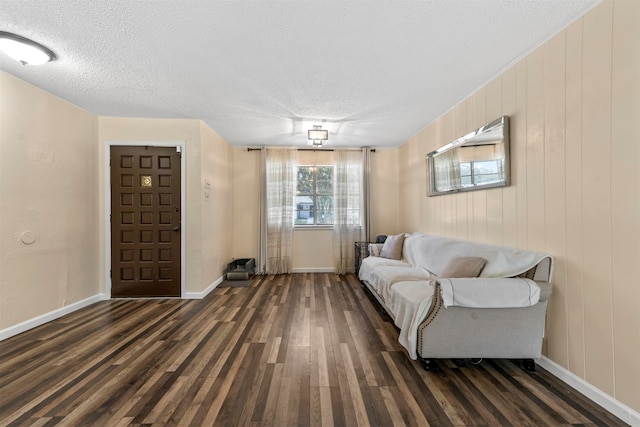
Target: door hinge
x,y
109,217
110,274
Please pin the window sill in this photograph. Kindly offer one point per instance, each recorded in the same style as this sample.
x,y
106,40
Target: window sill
x,y
313,227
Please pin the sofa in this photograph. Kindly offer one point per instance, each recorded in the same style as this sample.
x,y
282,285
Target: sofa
x,y
457,299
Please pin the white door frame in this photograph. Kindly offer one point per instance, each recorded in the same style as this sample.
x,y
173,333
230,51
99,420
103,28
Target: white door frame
x,y
181,147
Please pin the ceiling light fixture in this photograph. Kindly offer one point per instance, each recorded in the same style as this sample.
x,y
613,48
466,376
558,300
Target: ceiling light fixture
x,y
25,51
317,136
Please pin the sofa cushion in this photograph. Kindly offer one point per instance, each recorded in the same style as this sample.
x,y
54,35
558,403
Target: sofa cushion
x,y
382,278
468,266
372,262
392,248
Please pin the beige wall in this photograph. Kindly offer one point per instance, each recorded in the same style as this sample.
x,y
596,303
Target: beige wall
x,y
574,105
313,248
217,205
208,158
385,194
48,182
246,202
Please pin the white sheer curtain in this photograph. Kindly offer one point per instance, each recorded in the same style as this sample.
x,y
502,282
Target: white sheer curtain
x,y
348,208
448,170
262,236
277,223
366,193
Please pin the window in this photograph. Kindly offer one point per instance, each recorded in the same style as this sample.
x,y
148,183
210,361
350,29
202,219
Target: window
x,y
314,196
481,172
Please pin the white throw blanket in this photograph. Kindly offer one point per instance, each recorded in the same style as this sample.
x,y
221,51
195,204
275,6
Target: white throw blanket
x,y
386,276
433,253
410,303
371,262
489,292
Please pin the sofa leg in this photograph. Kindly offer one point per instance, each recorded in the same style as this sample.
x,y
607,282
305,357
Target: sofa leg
x,y
529,365
426,364
459,362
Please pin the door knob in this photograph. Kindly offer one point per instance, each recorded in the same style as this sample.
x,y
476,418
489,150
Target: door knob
x,y
176,228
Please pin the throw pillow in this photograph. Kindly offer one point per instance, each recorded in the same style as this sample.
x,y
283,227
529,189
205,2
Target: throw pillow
x,y
392,247
463,267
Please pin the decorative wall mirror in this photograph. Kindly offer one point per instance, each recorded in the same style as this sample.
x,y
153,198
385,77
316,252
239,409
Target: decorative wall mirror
x,y
476,161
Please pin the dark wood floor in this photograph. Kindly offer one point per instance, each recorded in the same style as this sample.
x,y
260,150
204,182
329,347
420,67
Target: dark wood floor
x,y
302,349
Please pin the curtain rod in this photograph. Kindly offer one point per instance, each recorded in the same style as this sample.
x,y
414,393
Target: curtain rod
x,y
373,150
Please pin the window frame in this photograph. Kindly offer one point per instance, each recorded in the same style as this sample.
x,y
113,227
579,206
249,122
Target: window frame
x,y
313,197
472,174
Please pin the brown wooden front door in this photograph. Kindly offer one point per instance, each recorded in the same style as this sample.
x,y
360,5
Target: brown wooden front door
x,y
145,222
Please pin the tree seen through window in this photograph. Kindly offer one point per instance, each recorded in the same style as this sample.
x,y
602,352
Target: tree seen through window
x,y
314,196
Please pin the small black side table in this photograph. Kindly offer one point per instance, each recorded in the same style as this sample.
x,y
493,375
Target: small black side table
x,y
362,251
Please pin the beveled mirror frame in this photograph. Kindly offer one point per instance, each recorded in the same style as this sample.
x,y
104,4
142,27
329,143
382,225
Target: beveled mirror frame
x,y
494,134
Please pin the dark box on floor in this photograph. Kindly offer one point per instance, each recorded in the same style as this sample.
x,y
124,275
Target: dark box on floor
x,y
241,269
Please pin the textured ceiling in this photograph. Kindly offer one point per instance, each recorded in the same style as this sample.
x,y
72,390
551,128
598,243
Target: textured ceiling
x,y
259,72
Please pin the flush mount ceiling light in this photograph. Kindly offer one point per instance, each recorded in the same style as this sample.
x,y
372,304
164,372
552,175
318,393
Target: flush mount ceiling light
x,y
317,136
25,51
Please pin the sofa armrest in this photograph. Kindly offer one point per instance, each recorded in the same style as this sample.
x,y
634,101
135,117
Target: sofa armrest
x,y
489,292
545,290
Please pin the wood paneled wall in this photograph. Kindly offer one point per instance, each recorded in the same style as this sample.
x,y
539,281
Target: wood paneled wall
x,y
574,105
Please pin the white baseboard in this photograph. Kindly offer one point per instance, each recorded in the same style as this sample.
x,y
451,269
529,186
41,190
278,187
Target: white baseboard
x,y
612,405
200,295
62,311
48,317
313,270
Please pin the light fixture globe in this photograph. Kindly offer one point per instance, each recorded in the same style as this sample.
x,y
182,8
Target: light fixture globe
x,y
25,51
317,136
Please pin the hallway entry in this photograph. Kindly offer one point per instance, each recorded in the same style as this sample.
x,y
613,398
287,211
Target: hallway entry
x,y
145,221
